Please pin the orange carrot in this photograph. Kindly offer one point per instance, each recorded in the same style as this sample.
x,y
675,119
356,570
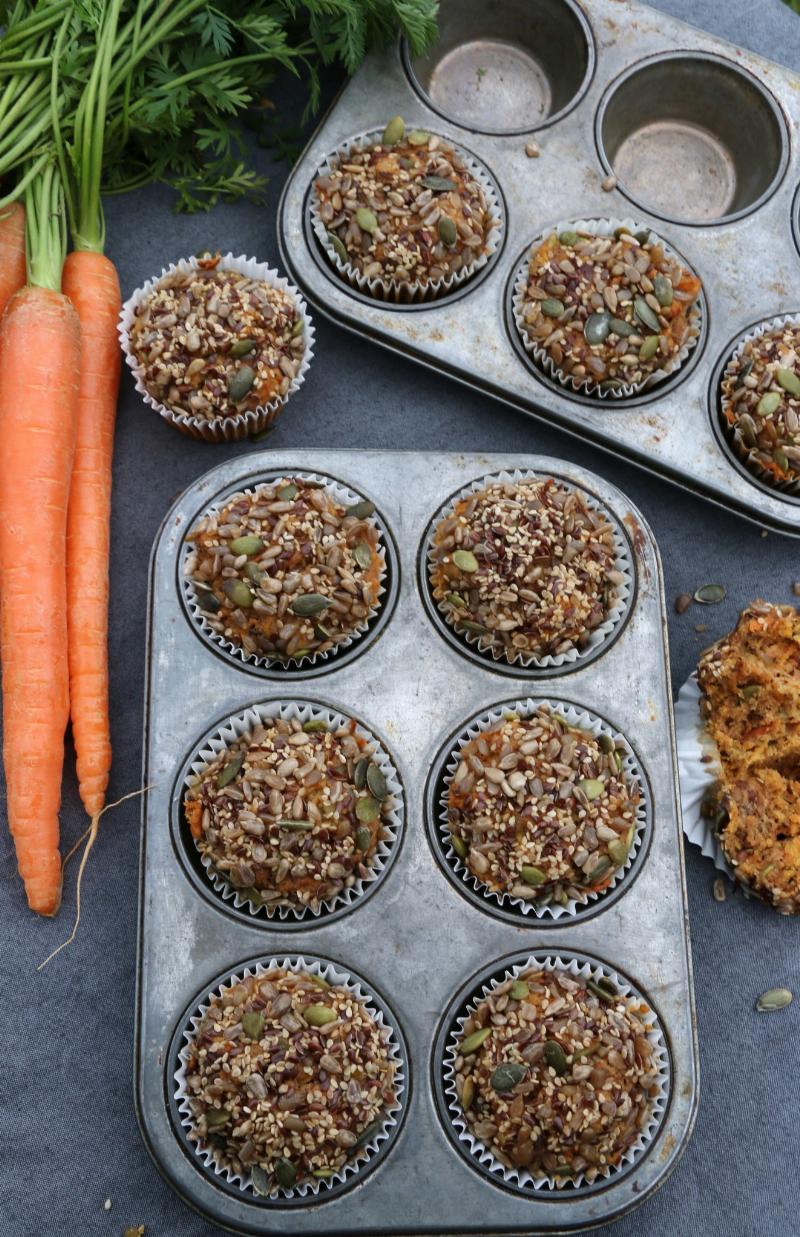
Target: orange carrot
x,y
90,281
12,251
39,368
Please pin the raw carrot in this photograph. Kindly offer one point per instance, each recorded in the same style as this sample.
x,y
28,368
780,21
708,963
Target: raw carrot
x,y
90,281
12,251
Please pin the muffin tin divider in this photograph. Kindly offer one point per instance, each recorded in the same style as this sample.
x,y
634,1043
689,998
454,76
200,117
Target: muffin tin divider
x,y
748,265
417,940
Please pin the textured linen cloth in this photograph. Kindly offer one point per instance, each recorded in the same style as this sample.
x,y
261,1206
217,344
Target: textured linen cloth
x,y
68,1133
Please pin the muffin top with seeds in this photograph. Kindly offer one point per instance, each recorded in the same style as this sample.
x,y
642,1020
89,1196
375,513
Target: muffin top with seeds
x,y
542,810
292,813
528,566
609,311
286,571
556,1074
288,1078
405,209
761,401
212,342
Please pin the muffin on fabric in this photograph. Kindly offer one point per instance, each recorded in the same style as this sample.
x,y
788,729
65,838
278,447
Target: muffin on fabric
x,y
750,682
761,403
527,566
542,810
608,311
288,1078
287,571
292,813
556,1074
405,209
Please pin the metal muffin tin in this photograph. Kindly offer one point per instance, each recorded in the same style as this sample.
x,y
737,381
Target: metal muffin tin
x,y
417,941
657,102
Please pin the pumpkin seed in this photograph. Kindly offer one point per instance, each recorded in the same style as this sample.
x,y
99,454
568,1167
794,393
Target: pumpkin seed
x,y
459,845
360,510
720,892
246,545
362,554
363,838
298,654
606,743
744,372
394,132
295,826
592,787
376,783
319,1015
781,459
285,1173
298,328
209,602
230,771
321,633
314,725
467,1094
789,380
622,328
555,1056
711,594
260,1180
240,383
308,604
773,998
749,690
418,137
238,592
568,238
360,773
287,493
477,628
338,246
242,346
618,852
439,184
603,989
448,232
473,1042
456,600
662,287
551,308
215,1117
368,809
768,403
532,875
253,1024
322,1173
645,314
366,220
506,1076
465,560
597,327
367,1135
649,348
518,990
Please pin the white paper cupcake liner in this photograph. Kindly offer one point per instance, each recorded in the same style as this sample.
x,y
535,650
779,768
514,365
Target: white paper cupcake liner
x,y
731,432
520,1178
698,773
585,721
243,424
405,290
241,724
342,495
586,385
618,610
310,1186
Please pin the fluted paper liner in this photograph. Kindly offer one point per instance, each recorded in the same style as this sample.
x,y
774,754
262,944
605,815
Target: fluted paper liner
x,y
541,356
342,495
623,593
309,1187
242,424
698,773
242,724
520,1178
408,290
583,720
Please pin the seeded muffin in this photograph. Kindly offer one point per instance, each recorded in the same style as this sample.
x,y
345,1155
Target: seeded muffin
x,y
527,566
292,813
286,571
213,343
750,682
542,810
556,1074
287,1078
404,210
761,403
608,312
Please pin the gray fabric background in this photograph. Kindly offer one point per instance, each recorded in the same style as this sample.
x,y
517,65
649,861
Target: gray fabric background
x,y
68,1134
